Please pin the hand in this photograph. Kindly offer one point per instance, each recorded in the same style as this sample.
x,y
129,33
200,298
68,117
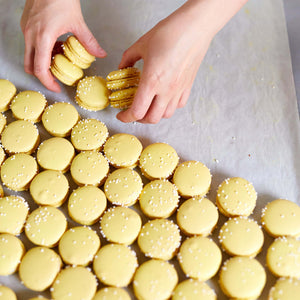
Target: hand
x,y
42,23
172,53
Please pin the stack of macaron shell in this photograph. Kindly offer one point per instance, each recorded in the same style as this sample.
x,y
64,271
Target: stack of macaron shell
x,y
281,220
67,67
76,53
123,83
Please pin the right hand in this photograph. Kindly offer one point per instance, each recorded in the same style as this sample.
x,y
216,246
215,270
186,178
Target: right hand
x,y
42,23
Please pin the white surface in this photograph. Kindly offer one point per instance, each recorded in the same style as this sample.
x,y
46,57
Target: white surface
x,y
292,13
241,118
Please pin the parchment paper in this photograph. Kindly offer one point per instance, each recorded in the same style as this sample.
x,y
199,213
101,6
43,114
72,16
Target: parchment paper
x,y
241,118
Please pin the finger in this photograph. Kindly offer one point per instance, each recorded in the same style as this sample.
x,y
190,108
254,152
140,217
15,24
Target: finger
x,y
28,58
156,110
171,107
42,61
184,97
141,103
89,42
130,56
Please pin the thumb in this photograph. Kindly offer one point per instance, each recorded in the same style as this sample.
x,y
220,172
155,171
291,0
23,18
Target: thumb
x,y
130,56
89,42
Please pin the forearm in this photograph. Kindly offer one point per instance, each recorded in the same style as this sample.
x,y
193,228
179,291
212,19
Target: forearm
x,y
208,15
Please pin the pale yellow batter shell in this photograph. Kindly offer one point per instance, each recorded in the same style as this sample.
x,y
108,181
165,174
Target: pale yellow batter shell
x,y
39,267
155,279
115,265
79,245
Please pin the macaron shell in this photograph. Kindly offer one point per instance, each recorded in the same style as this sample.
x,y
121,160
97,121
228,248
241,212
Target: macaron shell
x,y
283,257
11,252
241,236
59,118
197,216
18,170
92,93
158,161
154,270
65,71
39,267
242,278
6,293
115,265
192,178
13,213
71,281
76,53
7,92
28,105
123,73
236,197
281,218
20,136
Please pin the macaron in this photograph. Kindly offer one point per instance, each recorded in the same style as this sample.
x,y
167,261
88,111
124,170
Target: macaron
x,y
78,246
123,78
28,105
20,136
89,134
13,213
11,253
123,150
120,225
74,283
155,279
242,278
18,170
55,154
199,257
191,289
39,267
159,238
112,293
159,199
59,119
7,92
236,197
86,204
197,216
285,289
281,217
89,168
123,187
45,226
6,293
49,187
92,93
2,155
122,99
115,265
192,178
76,53
3,122
241,236
158,161
65,71
283,257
